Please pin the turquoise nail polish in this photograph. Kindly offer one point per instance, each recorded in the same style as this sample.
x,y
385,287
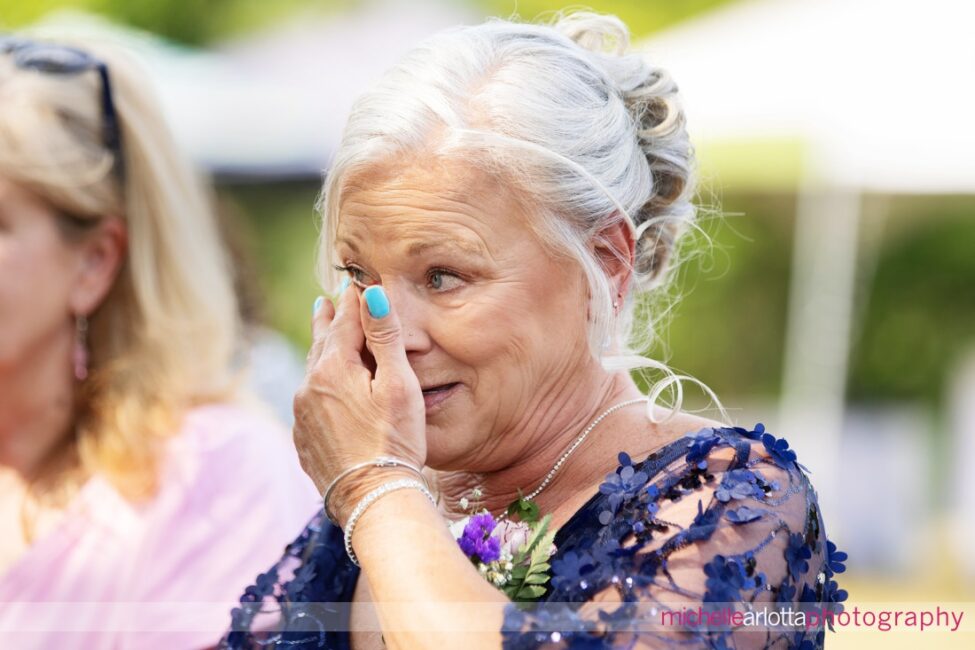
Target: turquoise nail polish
x,y
376,301
344,285
318,305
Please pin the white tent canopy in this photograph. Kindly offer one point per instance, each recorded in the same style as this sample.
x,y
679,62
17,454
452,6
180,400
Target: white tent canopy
x,y
880,89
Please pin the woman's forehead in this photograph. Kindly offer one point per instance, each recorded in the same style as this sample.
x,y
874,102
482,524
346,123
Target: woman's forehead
x,y
420,209
449,179
414,234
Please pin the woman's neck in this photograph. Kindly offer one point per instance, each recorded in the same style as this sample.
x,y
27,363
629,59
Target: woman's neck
x,y
36,407
551,430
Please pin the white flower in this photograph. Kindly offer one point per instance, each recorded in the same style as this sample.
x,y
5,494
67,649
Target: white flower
x,y
464,503
457,527
513,535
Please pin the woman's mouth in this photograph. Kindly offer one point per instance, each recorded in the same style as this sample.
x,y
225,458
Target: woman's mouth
x,y
435,395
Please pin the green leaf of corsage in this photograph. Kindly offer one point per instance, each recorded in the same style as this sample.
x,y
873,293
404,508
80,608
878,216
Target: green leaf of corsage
x,y
531,573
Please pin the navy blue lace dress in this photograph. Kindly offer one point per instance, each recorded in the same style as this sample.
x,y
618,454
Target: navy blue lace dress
x,y
722,516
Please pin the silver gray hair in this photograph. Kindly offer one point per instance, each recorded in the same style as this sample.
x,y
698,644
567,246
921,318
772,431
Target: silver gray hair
x,y
588,133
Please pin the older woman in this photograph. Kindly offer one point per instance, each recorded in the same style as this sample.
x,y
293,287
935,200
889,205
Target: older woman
x,y
502,203
125,444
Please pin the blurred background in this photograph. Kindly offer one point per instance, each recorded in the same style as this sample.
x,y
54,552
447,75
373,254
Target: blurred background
x,y
833,298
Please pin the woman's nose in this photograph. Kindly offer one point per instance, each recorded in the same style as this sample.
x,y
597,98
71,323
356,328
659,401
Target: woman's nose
x,y
413,312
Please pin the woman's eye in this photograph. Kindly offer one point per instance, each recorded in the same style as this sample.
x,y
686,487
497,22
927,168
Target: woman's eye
x,y
357,275
441,280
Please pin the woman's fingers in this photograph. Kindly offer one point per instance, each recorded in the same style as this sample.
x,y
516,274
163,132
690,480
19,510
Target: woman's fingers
x,y
385,340
323,311
345,337
381,328
324,316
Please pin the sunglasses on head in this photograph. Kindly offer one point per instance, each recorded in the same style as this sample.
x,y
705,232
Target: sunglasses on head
x,y
52,58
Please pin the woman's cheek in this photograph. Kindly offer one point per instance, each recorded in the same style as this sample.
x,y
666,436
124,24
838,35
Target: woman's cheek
x,y
34,286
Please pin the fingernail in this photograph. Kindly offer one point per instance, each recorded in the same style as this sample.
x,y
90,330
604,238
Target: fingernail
x,y
376,301
344,285
318,305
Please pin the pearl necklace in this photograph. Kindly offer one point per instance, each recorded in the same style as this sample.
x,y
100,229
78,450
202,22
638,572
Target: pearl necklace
x,y
573,447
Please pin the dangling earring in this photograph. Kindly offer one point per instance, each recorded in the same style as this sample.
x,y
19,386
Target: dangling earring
x,y
81,348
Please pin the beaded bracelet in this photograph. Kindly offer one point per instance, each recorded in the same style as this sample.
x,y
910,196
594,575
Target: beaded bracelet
x,y
379,461
372,497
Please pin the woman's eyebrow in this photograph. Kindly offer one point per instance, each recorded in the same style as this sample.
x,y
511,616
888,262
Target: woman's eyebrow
x,y
347,242
462,245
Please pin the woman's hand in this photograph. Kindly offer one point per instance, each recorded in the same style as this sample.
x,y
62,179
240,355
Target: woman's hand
x,y
345,413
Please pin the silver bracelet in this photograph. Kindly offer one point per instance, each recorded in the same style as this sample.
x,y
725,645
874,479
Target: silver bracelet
x,y
379,461
371,498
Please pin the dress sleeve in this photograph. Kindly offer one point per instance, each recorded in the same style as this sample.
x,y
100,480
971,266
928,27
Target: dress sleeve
x,y
730,524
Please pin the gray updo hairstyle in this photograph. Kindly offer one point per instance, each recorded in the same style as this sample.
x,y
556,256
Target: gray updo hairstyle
x,y
588,134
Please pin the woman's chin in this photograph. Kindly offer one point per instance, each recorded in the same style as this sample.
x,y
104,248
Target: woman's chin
x,y
452,429
448,441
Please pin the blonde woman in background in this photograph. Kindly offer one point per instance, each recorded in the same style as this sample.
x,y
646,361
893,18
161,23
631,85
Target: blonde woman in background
x,y
124,444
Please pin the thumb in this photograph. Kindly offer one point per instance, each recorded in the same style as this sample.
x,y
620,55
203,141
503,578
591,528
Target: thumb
x,y
384,336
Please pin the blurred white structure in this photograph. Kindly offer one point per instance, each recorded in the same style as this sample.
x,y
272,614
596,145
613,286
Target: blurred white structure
x,y
275,371
878,94
321,66
961,453
885,470
273,104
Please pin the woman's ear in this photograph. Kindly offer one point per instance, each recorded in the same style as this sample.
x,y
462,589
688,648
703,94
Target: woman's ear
x,y
616,250
100,256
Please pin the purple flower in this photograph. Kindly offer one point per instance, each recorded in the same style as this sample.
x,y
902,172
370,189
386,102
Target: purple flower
x,y
833,594
622,485
786,592
834,560
728,577
756,434
779,450
743,515
797,555
477,542
305,574
739,484
263,585
808,595
701,443
569,571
